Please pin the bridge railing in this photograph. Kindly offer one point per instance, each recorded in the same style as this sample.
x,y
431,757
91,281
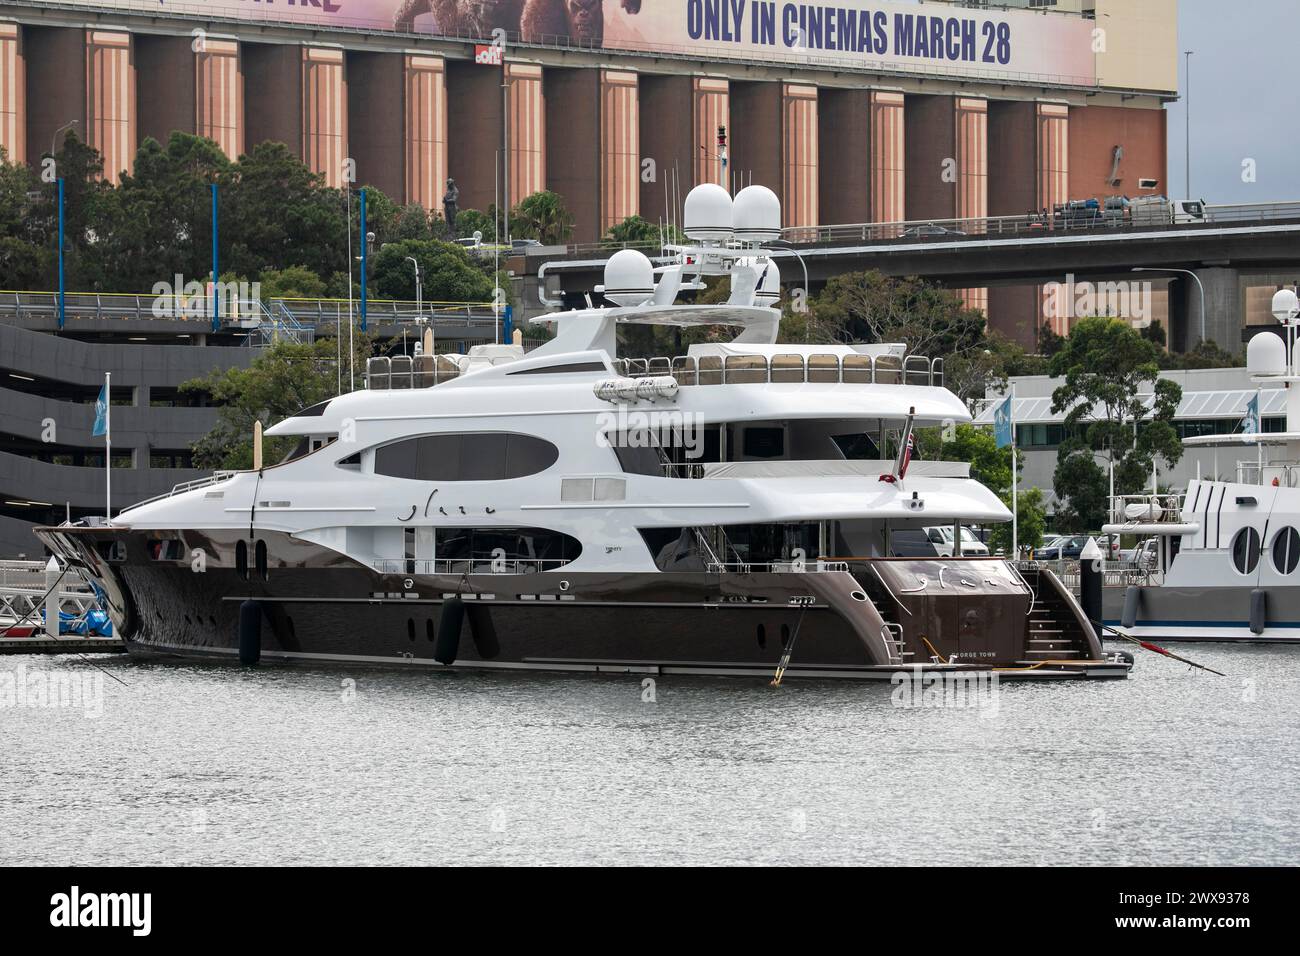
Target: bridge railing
x,y
17,306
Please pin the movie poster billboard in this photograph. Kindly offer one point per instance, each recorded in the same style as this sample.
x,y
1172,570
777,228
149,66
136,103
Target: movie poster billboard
x,y
925,37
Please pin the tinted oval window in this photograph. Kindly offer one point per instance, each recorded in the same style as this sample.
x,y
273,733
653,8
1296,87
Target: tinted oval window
x,y
474,456
1286,550
1245,550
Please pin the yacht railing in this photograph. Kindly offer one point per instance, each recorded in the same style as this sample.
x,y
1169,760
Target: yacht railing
x,y
788,368
1286,471
1146,509
1115,574
445,566
212,479
776,567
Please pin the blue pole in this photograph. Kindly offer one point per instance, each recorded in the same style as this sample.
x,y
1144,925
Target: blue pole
x,y
508,326
363,260
216,305
61,310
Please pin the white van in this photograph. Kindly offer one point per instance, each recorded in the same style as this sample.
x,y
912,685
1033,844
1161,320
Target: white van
x,y
941,538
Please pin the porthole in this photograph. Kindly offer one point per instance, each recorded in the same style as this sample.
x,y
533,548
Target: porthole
x,y
762,636
1286,550
410,629
858,595
785,635
428,629
259,558
241,558
1245,550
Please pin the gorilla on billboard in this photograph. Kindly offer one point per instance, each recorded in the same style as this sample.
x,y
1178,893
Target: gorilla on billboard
x,y
531,20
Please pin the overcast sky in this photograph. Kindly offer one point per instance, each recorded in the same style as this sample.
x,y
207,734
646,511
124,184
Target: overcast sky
x,y
1245,99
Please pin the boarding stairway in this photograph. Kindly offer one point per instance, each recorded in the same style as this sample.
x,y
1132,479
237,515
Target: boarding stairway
x,y
1051,621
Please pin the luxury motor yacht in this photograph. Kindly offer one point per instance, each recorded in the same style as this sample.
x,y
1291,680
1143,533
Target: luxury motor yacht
x,y
1227,553
726,511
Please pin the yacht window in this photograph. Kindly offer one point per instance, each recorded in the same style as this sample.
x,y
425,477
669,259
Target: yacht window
x,y
858,447
298,451
1286,550
508,544
241,558
475,456
764,442
639,460
1245,550
259,558
352,461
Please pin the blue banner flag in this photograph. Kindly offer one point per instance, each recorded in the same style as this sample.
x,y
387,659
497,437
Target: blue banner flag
x,y
1002,424
101,412
1250,424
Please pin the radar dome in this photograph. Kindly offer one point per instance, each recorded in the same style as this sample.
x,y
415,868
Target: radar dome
x,y
769,290
707,216
757,215
1266,354
629,278
1285,306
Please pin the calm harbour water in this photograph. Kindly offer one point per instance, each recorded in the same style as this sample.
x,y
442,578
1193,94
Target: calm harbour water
x,y
216,765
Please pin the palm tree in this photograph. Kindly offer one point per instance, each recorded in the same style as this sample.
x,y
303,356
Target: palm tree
x,y
542,216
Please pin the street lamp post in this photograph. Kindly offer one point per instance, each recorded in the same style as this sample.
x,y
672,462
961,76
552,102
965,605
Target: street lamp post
x,y
1187,107
419,298
1200,285
55,138
789,247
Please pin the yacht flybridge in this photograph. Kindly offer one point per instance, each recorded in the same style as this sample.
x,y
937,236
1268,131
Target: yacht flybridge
x,y
571,509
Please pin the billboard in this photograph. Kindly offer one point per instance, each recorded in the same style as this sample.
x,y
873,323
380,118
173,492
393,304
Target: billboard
x,y
926,38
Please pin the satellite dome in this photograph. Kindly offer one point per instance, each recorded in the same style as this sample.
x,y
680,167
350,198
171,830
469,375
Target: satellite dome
x,y
757,215
707,217
1285,306
1266,354
769,290
629,278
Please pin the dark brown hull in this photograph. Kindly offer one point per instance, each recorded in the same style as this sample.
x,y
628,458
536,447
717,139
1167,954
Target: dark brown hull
x,y
317,605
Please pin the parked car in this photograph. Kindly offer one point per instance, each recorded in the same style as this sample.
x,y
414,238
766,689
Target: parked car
x,y
1143,556
930,230
1066,546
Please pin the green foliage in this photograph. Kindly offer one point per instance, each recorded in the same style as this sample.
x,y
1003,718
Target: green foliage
x,y
447,271
470,221
1106,364
295,282
282,380
1207,354
636,231
1032,522
541,216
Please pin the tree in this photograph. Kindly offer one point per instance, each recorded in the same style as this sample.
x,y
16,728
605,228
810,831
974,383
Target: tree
x,y
447,272
873,307
282,380
1207,354
163,210
636,231
295,282
971,374
275,212
1105,364
542,216
470,221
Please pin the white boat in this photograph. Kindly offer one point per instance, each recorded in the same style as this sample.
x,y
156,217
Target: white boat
x,y
725,511
1227,564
